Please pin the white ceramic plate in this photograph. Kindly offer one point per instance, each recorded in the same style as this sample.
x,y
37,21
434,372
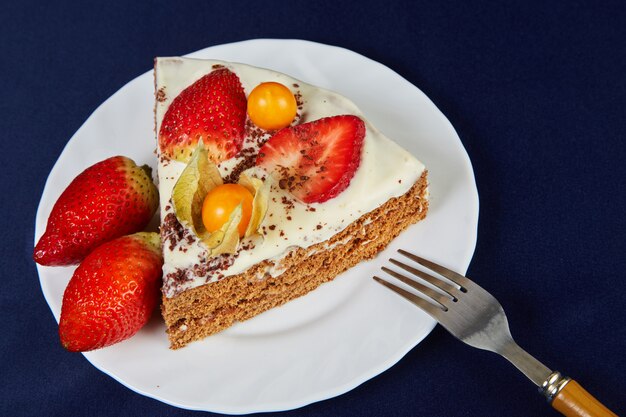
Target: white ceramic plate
x,y
331,340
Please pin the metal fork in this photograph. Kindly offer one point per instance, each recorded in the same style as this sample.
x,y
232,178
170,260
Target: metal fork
x,y
475,317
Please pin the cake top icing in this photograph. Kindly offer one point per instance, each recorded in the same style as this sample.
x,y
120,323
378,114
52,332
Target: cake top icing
x,y
385,171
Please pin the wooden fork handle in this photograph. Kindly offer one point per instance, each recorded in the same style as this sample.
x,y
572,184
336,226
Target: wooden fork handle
x,y
573,401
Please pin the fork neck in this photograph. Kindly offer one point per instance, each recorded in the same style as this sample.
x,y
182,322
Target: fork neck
x,y
534,370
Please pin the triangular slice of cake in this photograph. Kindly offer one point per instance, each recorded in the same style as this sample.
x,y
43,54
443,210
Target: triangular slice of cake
x,y
269,187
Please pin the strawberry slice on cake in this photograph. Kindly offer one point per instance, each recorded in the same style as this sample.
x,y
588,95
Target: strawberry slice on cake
x,y
315,160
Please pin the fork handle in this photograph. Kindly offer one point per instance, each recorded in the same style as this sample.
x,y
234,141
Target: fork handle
x,y
572,400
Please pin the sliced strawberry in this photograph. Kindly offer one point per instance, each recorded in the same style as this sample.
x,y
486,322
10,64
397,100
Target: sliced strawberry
x,y
212,109
315,160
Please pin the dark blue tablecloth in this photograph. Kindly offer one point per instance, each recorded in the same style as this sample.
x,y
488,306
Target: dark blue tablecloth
x,y
537,93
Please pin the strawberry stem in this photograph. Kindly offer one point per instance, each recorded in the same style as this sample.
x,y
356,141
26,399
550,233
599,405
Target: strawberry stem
x,y
147,169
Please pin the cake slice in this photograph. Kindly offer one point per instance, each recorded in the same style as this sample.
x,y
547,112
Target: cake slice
x,y
326,191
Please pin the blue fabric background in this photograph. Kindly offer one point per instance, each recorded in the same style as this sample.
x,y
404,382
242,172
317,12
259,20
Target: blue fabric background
x,y
537,93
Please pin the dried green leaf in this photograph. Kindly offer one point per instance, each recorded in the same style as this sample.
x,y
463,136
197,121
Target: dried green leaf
x,y
226,239
261,191
198,178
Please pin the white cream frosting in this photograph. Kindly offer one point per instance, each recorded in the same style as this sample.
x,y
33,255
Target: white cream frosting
x,y
386,170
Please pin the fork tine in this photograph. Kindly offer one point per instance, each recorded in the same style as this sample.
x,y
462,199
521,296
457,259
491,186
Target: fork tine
x,y
429,292
431,309
451,290
455,277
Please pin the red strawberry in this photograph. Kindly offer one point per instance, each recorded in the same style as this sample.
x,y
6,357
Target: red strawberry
x,y
212,109
315,160
112,293
110,199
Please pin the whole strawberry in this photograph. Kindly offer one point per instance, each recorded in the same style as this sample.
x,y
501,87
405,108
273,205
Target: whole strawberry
x,y
110,199
212,109
112,293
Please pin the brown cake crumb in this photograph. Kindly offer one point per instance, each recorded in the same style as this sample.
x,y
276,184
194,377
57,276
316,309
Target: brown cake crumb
x,y
172,231
288,205
160,95
249,157
255,135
